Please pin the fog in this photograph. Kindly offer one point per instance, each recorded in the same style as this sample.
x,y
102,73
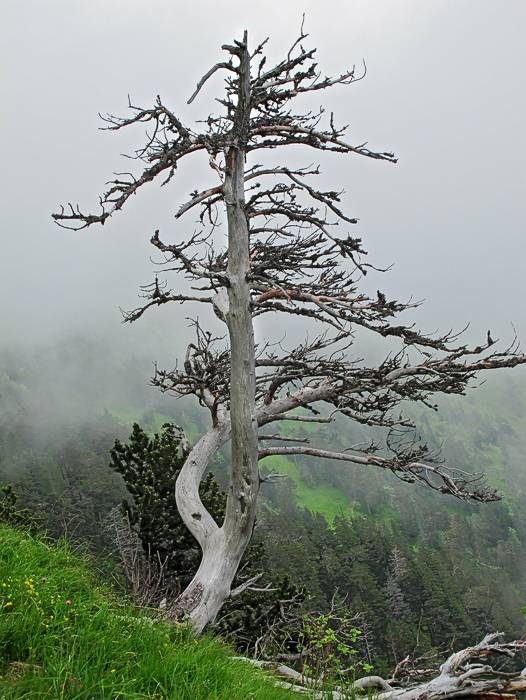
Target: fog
x,y
444,91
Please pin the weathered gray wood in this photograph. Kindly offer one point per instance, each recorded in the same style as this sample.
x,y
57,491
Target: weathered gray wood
x,y
244,481
459,676
223,547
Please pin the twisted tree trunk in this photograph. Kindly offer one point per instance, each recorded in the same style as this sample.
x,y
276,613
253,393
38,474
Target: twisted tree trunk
x,y
223,547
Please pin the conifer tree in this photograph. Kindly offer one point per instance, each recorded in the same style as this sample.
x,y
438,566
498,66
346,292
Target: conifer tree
x,y
149,466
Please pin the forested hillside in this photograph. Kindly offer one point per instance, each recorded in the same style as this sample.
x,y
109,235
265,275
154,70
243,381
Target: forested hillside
x,y
423,569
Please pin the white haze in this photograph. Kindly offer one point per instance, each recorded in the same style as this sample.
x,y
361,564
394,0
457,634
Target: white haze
x,y
444,90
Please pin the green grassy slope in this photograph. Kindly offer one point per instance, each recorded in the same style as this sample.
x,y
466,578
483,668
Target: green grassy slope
x,y
325,499
481,432
64,635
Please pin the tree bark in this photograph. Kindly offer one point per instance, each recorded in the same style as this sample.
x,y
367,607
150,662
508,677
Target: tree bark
x,y
223,547
244,482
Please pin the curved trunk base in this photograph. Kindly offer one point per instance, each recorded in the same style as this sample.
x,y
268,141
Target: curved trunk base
x,y
205,595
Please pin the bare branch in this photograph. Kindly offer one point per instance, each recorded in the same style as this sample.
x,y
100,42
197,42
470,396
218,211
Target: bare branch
x,y
322,141
454,482
245,585
209,74
303,419
457,677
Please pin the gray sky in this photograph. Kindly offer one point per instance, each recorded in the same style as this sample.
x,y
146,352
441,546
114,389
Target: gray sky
x,y
445,91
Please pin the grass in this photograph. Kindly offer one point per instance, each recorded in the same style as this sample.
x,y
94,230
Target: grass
x,y
131,414
64,635
324,499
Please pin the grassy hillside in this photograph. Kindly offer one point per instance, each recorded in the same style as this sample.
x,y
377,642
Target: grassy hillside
x,y
64,635
320,498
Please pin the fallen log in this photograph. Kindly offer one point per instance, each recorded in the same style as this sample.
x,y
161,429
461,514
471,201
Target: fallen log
x,y
466,673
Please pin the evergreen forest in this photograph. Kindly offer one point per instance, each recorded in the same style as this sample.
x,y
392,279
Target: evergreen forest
x,y
422,572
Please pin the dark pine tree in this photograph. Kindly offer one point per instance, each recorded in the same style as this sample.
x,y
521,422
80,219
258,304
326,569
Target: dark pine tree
x,y
150,466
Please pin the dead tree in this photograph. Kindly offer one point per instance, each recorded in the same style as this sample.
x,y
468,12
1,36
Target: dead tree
x,y
468,673
283,255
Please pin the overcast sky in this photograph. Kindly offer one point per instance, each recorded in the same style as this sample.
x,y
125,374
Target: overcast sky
x,y
445,91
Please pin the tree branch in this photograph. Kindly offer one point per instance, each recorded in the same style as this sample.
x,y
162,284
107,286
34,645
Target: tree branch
x,y
452,481
458,677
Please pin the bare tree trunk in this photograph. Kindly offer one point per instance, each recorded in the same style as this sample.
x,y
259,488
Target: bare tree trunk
x,y
205,594
210,587
223,547
244,482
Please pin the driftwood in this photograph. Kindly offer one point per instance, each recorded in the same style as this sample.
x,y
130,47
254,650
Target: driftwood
x,y
466,673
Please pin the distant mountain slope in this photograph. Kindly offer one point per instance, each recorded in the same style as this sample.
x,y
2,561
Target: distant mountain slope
x,y
383,545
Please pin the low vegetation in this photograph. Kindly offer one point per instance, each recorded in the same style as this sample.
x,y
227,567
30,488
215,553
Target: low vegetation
x,y
65,635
